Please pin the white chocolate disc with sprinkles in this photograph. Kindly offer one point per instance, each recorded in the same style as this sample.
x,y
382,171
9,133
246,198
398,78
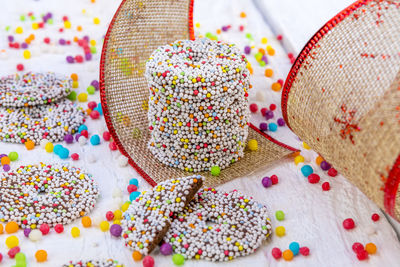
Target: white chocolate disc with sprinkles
x,y
32,89
240,226
198,107
54,194
147,219
94,263
51,122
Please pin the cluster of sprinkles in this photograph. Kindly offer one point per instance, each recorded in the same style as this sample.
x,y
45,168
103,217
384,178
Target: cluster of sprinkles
x,y
147,219
241,226
94,263
198,115
34,195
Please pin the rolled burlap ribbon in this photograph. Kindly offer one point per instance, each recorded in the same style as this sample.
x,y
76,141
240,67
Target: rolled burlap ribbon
x,y
342,97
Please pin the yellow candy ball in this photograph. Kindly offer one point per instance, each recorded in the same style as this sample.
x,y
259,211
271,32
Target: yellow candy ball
x,y
27,54
49,147
12,241
124,207
75,232
104,226
280,231
117,222
82,97
252,144
96,20
197,25
305,146
35,25
19,30
86,221
298,159
117,215
92,42
264,40
75,84
67,24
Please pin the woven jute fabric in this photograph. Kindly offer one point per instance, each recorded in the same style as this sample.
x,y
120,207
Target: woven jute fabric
x,y
137,29
342,98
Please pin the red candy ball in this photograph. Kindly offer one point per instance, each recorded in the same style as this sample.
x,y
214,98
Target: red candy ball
x,y
276,253
92,105
20,67
85,133
313,178
332,172
79,58
272,107
131,188
94,114
106,136
375,217
348,224
305,251
1,257
75,156
253,107
263,111
274,179
112,146
326,186
362,255
109,215
12,252
148,261
59,228
357,247
44,228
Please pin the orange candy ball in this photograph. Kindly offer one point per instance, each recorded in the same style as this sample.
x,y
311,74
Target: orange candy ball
x,y
86,221
242,15
1,228
287,255
136,255
269,73
318,160
41,255
370,248
5,160
29,145
74,76
276,87
12,227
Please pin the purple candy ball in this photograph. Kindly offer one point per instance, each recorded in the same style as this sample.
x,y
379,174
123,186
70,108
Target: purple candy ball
x,y
2,155
27,231
247,50
86,38
266,182
88,56
11,38
77,137
225,28
264,58
24,45
325,165
281,122
70,59
6,167
166,249
69,138
116,230
95,84
62,41
49,15
269,114
264,126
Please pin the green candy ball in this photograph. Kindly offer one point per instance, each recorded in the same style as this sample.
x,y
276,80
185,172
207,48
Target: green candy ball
x,y
20,257
91,90
178,259
13,156
72,96
215,170
280,216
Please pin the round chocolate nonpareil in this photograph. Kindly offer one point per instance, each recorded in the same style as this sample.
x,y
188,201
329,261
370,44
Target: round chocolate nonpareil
x,y
51,122
53,194
32,89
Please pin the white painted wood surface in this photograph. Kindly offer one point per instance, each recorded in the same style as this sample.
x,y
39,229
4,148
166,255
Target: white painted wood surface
x,y
313,217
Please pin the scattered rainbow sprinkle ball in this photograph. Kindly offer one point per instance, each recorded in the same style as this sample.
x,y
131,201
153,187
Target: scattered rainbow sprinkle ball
x,y
198,107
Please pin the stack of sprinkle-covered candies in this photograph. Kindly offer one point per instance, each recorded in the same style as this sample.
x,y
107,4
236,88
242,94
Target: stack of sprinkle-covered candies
x,y
198,114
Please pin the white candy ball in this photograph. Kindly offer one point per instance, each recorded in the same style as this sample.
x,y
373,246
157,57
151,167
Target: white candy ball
x,y
35,235
82,140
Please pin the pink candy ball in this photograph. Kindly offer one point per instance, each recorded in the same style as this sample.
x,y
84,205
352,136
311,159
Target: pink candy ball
x,y
276,253
106,136
75,156
44,228
305,251
94,115
348,224
148,261
131,188
92,105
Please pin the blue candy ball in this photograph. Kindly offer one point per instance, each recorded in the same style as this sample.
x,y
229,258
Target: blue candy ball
x,y
134,181
57,149
99,109
82,127
134,195
294,247
306,170
63,153
95,140
272,127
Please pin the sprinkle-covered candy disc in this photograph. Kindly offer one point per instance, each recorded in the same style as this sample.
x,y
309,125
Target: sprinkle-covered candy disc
x,y
94,263
32,89
51,122
148,218
198,114
53,194
240,225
